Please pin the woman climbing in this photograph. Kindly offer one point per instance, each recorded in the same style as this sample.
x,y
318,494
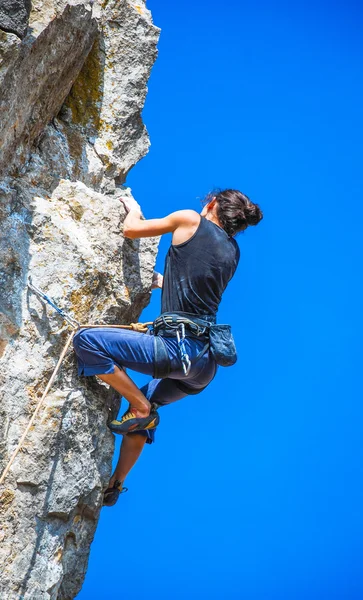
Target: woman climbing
x,y
183,353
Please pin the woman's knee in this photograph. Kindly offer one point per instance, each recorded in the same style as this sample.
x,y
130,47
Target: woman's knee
x,y
82,339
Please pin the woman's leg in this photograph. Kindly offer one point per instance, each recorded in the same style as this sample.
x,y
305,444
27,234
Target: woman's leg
x,y
122,383
131,448
160,391
104,352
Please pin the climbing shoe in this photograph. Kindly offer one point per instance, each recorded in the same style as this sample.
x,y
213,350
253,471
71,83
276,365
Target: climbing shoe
x,y
130,423
111,495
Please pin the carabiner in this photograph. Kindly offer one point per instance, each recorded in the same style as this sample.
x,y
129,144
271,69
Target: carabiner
x,y
186,363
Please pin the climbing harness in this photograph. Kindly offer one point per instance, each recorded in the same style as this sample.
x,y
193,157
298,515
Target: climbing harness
x,y
176,325
140,327
198,327
219,337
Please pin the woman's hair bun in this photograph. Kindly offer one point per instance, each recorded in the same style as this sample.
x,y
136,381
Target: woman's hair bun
x,y
235,211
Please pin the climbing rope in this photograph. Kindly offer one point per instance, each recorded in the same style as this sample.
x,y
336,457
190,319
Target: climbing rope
x,y
7,468
140,327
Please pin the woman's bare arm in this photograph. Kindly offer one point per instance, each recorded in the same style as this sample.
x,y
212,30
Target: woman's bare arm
x,y
135,227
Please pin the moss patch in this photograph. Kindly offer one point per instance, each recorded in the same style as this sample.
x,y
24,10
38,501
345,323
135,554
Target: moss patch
x,y
83,300
85,97
6,499
76,209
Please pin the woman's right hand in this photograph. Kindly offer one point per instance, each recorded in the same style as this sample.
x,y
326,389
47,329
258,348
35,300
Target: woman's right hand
x,y
131,204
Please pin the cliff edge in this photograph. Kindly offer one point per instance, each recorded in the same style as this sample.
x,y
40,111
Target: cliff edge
x,y
73,81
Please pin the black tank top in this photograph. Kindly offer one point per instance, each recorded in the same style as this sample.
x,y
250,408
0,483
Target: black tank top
x,y
197,271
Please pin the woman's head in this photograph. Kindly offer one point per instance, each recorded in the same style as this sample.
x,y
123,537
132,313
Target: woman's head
x,y
234,211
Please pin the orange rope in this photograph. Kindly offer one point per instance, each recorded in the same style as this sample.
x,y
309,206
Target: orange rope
x,y
141,327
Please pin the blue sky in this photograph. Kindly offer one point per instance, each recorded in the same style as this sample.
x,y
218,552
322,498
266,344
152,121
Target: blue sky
x,y
261,498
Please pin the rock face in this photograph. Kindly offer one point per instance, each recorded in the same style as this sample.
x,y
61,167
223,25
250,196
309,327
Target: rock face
x,y
72,91
37,85
14,15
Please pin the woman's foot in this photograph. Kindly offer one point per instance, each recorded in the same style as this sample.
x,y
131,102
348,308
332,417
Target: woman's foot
x,y
112,493
132,421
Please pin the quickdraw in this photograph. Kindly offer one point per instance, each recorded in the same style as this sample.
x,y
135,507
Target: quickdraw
x,y
180,335
73,322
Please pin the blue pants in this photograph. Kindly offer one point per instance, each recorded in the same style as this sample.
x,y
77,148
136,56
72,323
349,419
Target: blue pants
x,y
99,350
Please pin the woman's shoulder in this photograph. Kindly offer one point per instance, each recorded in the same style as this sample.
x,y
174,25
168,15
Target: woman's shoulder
x,y
189,216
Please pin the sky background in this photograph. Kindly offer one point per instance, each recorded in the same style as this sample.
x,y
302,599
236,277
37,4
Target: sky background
x,y
261,497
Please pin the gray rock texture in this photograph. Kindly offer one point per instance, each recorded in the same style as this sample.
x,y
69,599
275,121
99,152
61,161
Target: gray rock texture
x,y
34,90
14,15
70,130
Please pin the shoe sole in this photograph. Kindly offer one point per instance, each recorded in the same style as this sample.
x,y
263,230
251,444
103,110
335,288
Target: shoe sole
x,y
138,427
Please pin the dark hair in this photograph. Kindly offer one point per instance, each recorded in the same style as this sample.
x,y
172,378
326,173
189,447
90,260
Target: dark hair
x,y
235,211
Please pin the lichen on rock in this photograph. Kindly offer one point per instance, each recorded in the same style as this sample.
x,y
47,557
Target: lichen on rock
x,y
72,91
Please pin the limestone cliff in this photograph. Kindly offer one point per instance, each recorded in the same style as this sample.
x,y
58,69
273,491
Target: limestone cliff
x,y
72,86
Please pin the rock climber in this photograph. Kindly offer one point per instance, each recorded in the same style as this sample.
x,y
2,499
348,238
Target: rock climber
x,y
185,346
